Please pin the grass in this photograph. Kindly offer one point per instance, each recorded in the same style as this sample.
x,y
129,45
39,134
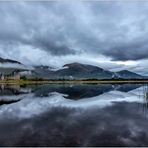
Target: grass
x,y
22,82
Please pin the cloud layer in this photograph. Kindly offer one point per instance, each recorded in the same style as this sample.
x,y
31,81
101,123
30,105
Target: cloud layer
x,y
39,32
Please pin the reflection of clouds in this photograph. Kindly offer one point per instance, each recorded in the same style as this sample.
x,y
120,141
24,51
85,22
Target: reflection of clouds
x,y
110,119
29,106
118,125
32,105
6,98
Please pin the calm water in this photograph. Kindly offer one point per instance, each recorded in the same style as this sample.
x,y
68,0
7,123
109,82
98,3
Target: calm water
x,y
74,115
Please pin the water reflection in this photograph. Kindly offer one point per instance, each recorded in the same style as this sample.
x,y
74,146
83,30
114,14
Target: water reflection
x,y
74,115
75,92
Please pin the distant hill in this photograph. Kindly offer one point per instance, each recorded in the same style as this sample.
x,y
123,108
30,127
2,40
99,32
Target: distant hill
x,y
125,74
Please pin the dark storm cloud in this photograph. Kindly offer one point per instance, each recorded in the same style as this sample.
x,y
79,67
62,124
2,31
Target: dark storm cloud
x,y
132,51
54,48
114,29
31,25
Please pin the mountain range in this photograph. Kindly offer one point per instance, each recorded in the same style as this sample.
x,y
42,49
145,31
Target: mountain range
x,y
72,71
82,71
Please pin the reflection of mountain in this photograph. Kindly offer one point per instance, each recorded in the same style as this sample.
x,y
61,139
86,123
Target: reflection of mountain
x,y
30,105
127,87
11,94
74,92
81,91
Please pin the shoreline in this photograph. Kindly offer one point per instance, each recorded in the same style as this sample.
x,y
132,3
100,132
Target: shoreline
x,y
27,82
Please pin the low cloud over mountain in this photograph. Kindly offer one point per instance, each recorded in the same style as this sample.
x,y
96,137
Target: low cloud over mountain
x,y
62,32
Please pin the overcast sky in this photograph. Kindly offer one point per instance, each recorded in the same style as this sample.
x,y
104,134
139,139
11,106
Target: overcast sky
x,y
112,35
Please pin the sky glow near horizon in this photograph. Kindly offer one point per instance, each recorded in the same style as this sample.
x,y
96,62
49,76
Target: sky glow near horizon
x,y
111,35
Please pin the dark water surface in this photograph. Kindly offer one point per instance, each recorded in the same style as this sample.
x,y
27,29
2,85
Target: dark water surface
x,y
74,115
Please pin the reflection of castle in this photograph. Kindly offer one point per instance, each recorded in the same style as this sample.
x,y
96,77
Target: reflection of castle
x,y
10,74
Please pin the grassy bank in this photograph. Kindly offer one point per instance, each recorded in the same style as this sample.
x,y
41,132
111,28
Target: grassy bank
x,y
22,82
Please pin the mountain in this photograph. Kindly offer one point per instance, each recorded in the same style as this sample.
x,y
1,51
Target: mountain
x,y
73,71
81,71
8,61
125,74
41,72
68,71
